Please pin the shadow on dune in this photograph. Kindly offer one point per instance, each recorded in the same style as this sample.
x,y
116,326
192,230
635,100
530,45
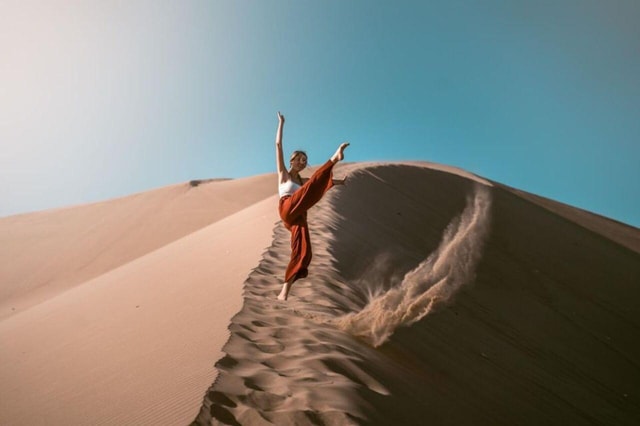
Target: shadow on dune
x,y
543,330
392,302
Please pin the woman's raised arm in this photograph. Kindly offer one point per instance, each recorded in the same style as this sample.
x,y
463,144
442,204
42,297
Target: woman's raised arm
x,y
282,168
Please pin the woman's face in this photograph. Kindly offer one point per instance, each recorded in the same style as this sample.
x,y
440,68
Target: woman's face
x,y
299,162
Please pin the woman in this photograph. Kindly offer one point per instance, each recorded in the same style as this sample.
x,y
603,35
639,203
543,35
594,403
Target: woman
x,y
298,195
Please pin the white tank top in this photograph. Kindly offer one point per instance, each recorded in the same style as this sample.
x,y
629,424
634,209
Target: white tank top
x,y
288,188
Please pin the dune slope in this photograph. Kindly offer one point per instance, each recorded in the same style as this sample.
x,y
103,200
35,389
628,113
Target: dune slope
x,y
135,344
45,253
435,297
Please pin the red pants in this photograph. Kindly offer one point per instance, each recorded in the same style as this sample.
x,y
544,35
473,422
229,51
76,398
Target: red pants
x,y
293,212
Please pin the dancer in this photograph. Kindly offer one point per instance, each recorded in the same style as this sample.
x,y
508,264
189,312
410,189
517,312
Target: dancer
x,y
297,195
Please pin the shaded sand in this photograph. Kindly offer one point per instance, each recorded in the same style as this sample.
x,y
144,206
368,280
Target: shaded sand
x,y
136,344
495,309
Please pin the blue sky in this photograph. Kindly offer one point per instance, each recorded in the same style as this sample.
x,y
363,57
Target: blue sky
x,y
107,98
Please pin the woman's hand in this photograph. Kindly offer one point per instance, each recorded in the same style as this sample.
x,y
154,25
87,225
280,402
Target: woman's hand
x,y
280,118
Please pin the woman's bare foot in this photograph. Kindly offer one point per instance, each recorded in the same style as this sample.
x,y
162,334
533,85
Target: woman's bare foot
x,y
339,155
285,291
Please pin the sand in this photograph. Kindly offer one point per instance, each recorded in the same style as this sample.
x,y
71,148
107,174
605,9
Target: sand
x,y
434,297
137,343
45,253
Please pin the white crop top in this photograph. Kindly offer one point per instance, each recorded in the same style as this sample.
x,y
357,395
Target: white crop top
x,y
288,188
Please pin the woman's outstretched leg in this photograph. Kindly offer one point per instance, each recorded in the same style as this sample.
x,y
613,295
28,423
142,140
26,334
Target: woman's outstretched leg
x,y
313,190
308,195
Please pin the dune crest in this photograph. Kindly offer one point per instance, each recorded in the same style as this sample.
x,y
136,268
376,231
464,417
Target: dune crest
x,y
545,335
290,363
433,282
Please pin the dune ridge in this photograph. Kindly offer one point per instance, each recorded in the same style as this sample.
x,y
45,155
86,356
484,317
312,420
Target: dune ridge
x,y
544,333
289,363
284,364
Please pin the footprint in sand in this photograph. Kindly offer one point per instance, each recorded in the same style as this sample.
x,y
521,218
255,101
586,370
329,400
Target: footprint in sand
x,y
271,347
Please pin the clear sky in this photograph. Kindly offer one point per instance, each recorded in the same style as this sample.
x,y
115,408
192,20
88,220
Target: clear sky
x,y
100,98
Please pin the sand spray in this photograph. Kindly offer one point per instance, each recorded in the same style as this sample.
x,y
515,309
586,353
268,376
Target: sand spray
x,y
433,282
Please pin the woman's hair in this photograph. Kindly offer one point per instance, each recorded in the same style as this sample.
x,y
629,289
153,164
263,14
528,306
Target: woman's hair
x,y
295,154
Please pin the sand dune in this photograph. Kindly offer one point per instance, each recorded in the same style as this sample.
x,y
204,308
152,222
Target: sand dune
x,y
136,344
434,297
45,253
489,311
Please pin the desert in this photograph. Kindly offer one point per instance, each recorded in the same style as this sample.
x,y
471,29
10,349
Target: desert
x,y
434,296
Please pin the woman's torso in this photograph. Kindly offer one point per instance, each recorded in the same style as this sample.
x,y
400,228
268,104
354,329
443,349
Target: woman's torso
x,y
288,188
